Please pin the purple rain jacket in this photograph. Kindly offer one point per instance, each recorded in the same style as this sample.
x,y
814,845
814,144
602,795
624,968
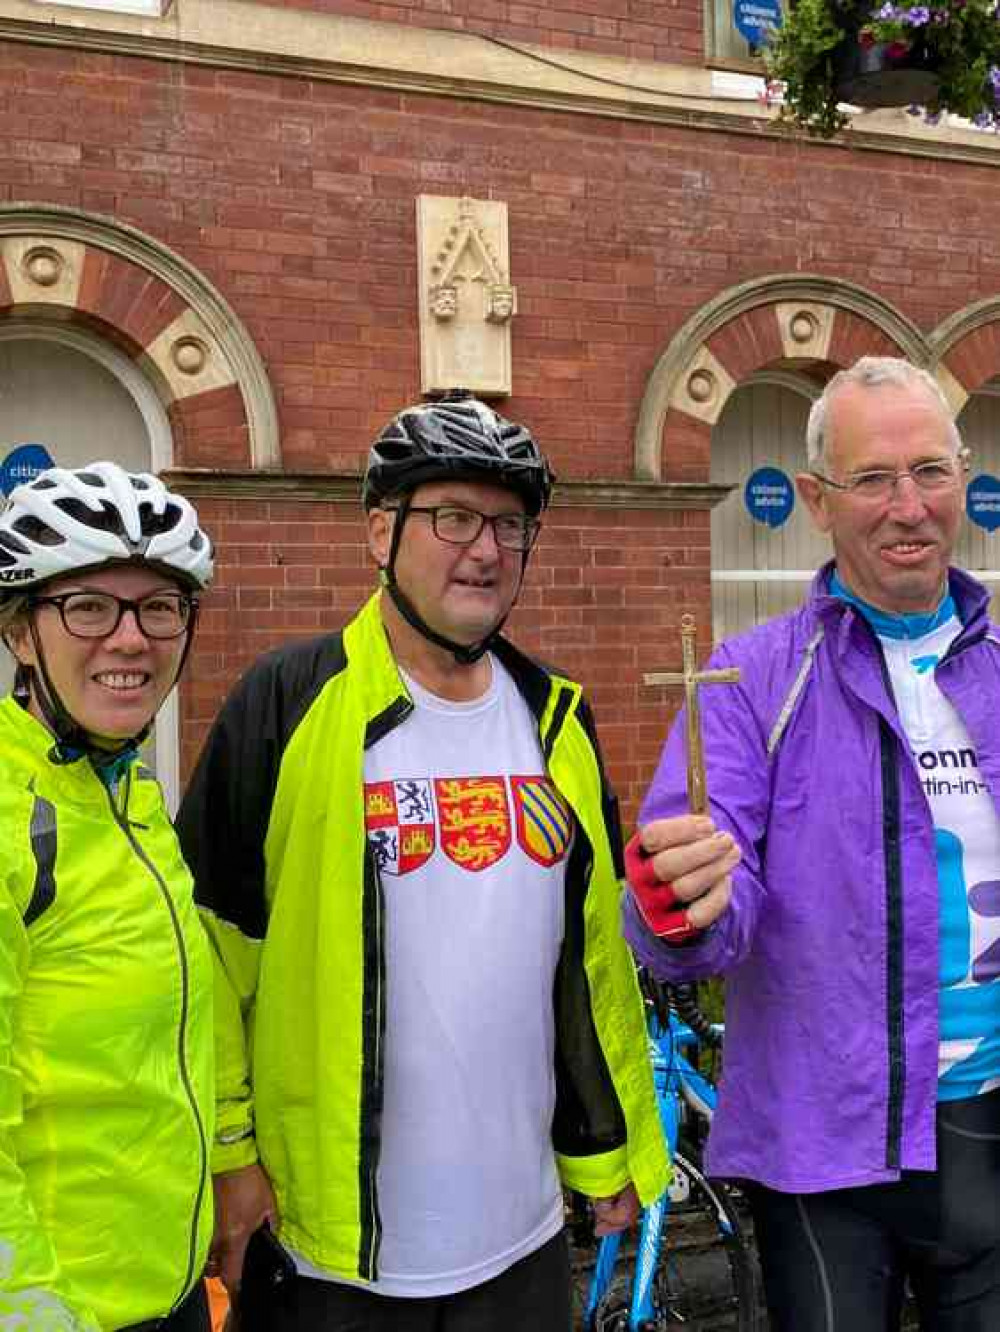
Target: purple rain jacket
x,y
830,946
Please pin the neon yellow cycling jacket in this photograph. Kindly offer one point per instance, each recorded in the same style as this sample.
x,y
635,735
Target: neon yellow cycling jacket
x,y
273,828
105,1046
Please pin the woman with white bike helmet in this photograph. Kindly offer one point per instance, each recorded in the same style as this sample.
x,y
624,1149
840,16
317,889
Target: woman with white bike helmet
x,y
105,980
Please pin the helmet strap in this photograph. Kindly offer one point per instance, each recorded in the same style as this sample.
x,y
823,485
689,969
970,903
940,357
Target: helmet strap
x,y
71,739
464,654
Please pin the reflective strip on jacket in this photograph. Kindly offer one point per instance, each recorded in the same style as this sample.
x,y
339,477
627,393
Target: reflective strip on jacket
x,y
273,827
106,1096
830,948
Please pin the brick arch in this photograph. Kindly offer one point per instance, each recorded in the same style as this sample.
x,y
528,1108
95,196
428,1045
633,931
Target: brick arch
x,y
785,320
966,350
65,264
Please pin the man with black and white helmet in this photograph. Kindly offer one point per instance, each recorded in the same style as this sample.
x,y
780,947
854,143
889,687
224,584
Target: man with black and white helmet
x,y
105,978
409,859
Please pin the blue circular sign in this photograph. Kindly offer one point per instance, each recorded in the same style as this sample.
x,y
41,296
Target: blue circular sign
x,y
982,501
23,464
769,496
757,19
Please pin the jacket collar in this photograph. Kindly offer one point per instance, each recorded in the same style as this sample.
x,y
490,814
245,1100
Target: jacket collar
x,y
971,601
389,701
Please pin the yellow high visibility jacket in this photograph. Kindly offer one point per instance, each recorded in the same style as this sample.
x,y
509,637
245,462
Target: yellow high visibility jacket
x,y
273,827
106,1088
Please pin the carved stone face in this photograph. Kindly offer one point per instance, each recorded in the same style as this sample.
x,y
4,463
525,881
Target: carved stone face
x,y
501,303
444,302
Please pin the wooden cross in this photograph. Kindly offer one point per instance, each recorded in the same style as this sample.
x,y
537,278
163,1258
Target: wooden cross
x,y
690,677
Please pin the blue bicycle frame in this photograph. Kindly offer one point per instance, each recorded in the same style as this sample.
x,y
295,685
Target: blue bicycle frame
x,y
677,1082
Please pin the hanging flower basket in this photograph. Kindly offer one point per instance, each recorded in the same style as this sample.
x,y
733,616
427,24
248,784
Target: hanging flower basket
x,y
943,56
872,74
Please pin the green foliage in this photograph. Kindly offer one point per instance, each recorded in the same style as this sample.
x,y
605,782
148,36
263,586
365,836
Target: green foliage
x,y
800,55
960,38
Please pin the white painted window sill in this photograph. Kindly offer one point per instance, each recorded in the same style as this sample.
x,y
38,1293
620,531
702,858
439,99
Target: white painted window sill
x,y
145,8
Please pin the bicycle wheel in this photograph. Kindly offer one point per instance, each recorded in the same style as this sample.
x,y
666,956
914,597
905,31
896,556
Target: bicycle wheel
x,y
706,1277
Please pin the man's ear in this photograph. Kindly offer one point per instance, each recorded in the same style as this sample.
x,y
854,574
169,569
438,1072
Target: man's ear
x,y
814,496
379,522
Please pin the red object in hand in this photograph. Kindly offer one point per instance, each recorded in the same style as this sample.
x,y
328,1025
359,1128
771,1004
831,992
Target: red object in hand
x,y
655,899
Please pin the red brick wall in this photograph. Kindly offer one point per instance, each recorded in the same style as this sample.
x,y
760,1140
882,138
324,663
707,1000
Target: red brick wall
x,y
297,200
602,601
639,29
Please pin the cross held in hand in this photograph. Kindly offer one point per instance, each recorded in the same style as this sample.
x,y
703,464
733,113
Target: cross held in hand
x,y
690,677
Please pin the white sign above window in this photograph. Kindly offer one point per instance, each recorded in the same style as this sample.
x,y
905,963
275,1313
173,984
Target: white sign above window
x,y
147,8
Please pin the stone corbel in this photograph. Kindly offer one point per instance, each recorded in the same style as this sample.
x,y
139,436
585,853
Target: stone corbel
x,y
467,300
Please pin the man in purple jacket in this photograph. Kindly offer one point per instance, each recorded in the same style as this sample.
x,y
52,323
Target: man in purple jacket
x,y
848,886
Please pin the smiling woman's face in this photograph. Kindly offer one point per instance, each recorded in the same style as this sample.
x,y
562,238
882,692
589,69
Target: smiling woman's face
x,y
111,686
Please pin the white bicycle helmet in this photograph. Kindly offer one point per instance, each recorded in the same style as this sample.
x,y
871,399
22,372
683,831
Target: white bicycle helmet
x,y
68,519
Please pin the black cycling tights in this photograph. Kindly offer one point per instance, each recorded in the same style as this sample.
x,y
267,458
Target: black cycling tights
x,y
837,1261
531,1296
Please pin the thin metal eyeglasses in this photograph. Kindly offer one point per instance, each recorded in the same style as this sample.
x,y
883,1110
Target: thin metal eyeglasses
x,y
98,614
461,527
934,475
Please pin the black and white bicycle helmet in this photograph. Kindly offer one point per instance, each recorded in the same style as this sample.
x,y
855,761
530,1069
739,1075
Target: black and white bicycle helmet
x,y
458,438
66,520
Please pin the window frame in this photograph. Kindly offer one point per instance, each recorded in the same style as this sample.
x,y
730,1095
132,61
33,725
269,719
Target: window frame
x,y
136,8
732,64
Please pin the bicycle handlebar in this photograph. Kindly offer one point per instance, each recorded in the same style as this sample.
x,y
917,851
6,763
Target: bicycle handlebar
x,y
683,999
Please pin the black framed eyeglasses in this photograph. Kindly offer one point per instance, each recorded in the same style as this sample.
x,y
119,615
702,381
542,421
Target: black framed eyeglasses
x,y
98,614
461,527
937,474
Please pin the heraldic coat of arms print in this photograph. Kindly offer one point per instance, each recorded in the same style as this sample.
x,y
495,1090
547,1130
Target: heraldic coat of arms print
x,y
473,820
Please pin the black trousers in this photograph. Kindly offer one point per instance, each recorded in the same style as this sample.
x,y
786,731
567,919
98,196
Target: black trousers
x,y
533,1295
837,1261
191,1316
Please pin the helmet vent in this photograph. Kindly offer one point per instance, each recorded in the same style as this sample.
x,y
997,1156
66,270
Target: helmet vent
x,y
37,532
10,542
105,519
155,524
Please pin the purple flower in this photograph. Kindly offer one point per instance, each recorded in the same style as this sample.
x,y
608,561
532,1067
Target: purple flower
x,y
994,78
917,16
887,12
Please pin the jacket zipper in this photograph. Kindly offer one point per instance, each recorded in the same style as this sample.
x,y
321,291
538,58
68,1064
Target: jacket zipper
x,y
121,818
895,1019
373,1024
894,923
373,1021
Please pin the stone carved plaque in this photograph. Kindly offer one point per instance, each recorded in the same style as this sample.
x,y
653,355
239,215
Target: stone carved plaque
x,y
467,300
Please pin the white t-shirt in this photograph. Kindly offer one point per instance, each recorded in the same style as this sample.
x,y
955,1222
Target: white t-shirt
x,y
471,840
967,843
